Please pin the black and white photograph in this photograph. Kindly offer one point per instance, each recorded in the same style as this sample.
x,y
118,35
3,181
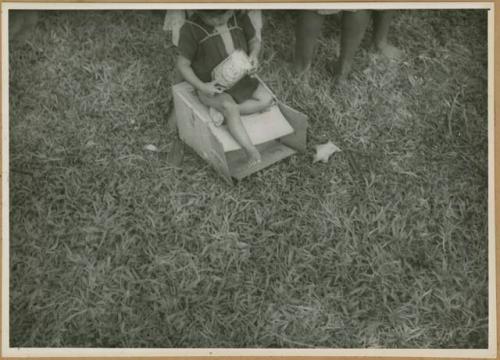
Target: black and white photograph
x,y
208,177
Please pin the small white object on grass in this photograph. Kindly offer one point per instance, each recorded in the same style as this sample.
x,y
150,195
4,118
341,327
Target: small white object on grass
x,y
324,151
150,147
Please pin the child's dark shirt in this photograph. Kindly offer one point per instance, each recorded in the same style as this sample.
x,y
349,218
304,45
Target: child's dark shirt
x,y
203,46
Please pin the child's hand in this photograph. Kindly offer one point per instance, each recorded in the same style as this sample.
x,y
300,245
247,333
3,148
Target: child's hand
x,y
212,88
254,61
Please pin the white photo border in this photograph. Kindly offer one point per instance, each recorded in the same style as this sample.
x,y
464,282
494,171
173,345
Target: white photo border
x,y
7,351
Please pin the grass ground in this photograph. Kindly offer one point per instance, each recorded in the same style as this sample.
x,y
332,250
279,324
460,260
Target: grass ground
x,y
384,246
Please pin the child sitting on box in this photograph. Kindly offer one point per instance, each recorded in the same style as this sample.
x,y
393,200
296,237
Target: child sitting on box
x,y
208,38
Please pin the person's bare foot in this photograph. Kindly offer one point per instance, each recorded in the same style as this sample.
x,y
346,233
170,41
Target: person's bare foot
x,y
339,80
268,105
216,116
389,51
339,74
254,157
300,69
176,153
301,73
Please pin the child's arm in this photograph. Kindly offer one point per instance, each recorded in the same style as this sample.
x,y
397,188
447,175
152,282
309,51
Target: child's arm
x,y
184,66
254,50
254,42
254,46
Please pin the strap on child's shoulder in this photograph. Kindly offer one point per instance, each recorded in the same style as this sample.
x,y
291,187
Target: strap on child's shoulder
x,y
235,23
198,25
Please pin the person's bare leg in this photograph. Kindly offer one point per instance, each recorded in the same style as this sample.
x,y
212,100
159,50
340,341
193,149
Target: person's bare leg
x,y
381,25
171,118
260,101
236,128
307,31
228,107
354,25
176,153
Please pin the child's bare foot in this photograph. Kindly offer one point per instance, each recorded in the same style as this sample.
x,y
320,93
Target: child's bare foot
x,y
300,69
265,105
254,157
216,116
339,80
339,74
176,153
301,73
269,104
389,51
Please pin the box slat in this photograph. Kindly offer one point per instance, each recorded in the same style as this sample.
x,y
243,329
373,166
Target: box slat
x,y
271,152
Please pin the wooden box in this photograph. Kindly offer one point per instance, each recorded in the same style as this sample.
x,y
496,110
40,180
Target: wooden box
x,y
277,134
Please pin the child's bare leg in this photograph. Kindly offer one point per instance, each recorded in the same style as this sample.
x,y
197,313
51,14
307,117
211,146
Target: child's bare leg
x,y
381,24
261,100
228,107
354,24
307,31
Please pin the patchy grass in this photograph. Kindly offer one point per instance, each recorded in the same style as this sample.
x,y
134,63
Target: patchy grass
x,y
384,246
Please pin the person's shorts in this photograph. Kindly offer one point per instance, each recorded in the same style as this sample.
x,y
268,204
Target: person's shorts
x,y
243,89
330,12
